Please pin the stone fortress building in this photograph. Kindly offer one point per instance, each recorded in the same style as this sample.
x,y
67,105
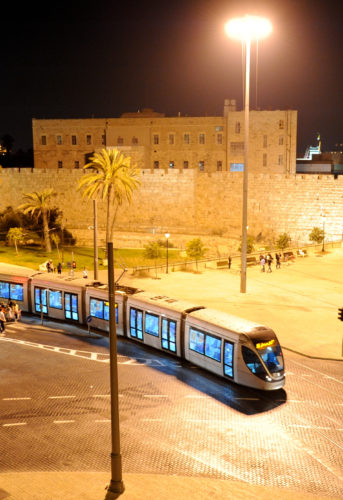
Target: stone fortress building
x,y
208,144
190,172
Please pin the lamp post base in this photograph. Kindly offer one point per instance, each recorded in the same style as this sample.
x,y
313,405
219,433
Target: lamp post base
x,y
114,490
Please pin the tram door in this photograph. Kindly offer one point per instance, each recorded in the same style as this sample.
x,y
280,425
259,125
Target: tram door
x,y
71,310
169,334
228,359
41,300
136,323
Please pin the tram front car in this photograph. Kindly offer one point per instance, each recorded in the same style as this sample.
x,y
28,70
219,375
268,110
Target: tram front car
x,y
263,356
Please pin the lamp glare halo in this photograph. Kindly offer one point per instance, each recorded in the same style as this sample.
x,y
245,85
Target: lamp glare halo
x,y
248,28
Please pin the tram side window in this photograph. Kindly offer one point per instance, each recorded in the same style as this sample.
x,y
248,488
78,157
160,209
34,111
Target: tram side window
x,y
96,308
136,323
253,362
13,291
71,306
41,300
55,299
213,347
151,324
16,291
228,359
169,334
196,340
4,290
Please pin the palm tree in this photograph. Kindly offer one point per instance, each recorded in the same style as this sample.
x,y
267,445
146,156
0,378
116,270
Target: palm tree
x,y
38,203
15,235
112,178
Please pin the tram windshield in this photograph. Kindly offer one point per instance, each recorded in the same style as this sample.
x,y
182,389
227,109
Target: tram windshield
x,y
270,352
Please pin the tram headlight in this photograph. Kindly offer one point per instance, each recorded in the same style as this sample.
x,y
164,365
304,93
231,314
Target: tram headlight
x,y
268,378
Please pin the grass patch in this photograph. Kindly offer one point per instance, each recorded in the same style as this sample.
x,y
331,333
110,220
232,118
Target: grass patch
x,y
83,256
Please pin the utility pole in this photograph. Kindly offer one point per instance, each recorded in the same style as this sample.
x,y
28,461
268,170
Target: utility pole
x,y
116,486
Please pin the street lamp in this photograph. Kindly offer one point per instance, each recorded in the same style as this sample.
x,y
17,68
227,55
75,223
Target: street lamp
x,y
167,235
246,29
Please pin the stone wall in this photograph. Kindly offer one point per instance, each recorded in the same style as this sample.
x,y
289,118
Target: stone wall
x,y
194,202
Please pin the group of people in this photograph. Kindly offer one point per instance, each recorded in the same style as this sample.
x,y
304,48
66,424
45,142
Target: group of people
x,y
267,260
8,312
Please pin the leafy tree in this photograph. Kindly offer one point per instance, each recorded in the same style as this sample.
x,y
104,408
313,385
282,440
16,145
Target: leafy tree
x,y
250,245
195,250
317,235
153,251
283,241
15,235
110,176
38,203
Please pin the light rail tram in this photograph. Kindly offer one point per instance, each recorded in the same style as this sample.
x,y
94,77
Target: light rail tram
x,y
231,347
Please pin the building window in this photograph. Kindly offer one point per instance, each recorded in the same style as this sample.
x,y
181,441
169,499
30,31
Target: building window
x,y
88,140
186,138
156,164
77,164
171,164
43,140
60,164
201,166
134,140
201,138
280,160
185,164
264,159
156,139
171,138
265,141
219,138
238,128
237,147
59,140
73,140
281,124
219,166
103,140
120,141
281,140
219,128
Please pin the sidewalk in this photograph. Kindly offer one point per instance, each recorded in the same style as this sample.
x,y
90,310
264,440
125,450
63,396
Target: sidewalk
x,y
91,486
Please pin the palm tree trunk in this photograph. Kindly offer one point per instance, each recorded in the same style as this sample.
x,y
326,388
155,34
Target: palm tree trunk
x,y
46,231
108,221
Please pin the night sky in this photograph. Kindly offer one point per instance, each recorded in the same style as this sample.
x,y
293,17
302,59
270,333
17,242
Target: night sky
x,y
102,58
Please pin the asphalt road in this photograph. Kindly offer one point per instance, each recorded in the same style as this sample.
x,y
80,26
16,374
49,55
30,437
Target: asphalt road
x,y
175,419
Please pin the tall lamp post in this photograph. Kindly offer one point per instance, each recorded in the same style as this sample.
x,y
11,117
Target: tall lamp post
x,y
167,235
246,29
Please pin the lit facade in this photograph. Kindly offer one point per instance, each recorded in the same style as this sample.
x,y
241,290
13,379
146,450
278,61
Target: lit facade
x,y
154,141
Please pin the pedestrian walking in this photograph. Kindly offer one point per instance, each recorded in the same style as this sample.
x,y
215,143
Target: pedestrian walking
x,y
278,260
59,268
269,259
85,273
229,261
2,320
263,263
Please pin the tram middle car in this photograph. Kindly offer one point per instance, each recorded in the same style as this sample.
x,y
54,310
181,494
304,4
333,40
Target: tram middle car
x,y
239,350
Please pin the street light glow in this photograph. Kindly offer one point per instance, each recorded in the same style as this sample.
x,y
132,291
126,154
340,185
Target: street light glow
x,y
248,28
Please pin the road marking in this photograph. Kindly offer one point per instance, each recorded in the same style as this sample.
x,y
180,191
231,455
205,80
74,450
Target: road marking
x,y
64,421
104,420
15,399
61,397
152,420
14,425
101,395
156,396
